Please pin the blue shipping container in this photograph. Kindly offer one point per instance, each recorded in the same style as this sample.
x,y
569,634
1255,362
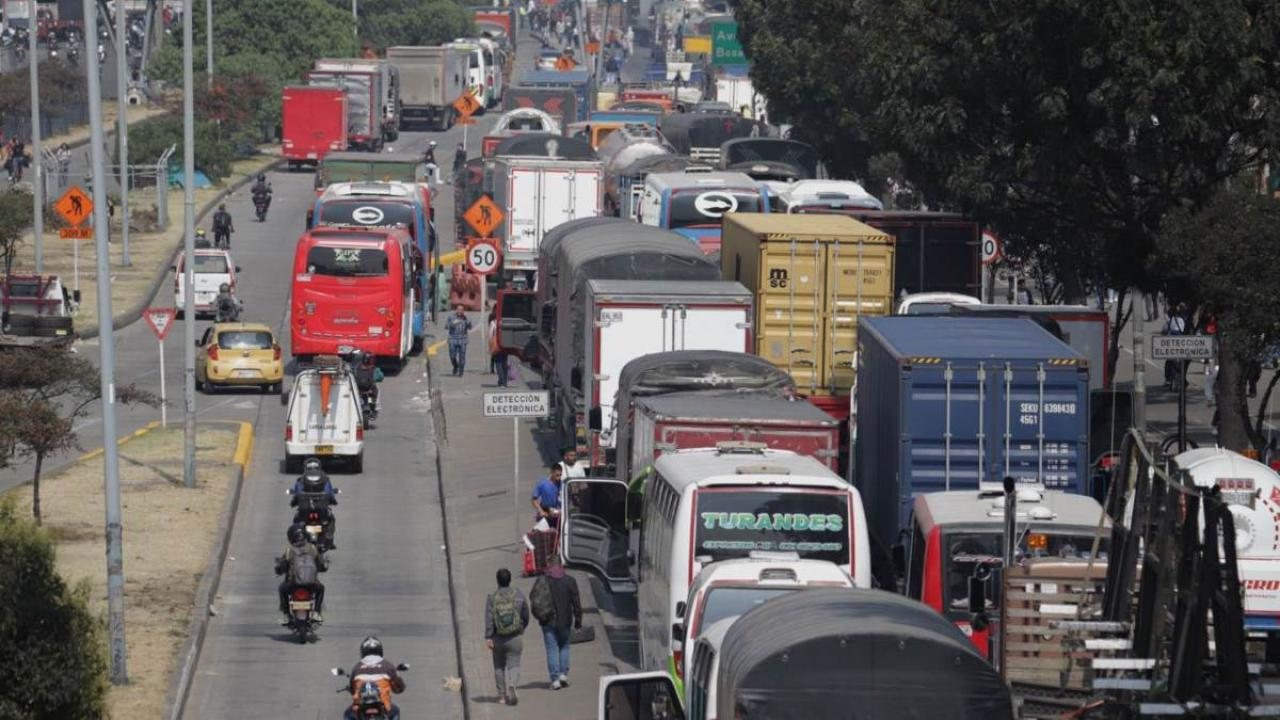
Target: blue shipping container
x,y
952,403
576,79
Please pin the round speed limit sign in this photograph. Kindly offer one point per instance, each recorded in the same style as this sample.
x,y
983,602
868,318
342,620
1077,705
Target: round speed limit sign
x,y
483,257
992,248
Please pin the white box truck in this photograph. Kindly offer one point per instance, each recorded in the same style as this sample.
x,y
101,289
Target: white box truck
x,y
536,195
431,78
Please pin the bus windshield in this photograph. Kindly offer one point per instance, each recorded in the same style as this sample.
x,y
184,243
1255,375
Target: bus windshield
x,y
732,523
347,261
707,207
367,213
963,552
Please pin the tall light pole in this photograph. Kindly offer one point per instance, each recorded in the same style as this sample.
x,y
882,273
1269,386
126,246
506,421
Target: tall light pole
x,y
208,38
107,362
189,247
355,17
122,130
37,155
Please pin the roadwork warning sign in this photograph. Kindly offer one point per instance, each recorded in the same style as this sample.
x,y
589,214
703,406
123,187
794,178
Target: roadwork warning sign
x,y
517,404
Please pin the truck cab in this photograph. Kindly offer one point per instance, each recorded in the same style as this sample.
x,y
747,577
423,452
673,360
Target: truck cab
x,y
694,204
35,310
956,539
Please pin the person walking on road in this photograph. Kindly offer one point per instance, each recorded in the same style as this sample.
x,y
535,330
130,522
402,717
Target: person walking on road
x,y
459,160
497,356
506,615
556,604
546,496
458,326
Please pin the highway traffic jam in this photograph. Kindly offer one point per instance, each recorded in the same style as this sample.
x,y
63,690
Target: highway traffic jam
x,y
830,475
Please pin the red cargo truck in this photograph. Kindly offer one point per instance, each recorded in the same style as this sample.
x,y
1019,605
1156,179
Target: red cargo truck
x,y
314,123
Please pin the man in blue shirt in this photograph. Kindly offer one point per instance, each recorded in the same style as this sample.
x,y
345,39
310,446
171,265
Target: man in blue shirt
x,y
546,496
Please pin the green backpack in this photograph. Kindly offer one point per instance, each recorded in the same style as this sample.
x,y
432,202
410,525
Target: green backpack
x,y
506,613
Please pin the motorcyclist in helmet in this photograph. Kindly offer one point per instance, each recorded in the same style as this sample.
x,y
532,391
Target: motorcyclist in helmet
x,y
226,306
202,240
314,492
222,227
368,375
261,191
376,670
429,159
288,564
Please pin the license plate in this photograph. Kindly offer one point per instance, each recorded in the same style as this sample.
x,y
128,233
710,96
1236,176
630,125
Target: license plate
x,y
314,529
246,373
324,449
300,605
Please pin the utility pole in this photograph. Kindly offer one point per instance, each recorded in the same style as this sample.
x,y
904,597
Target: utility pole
x,y
111,451
208,37
189,248
37,155
122,107
355,17
1139,370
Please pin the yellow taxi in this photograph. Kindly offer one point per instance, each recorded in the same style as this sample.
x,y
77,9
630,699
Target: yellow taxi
x,y
237,355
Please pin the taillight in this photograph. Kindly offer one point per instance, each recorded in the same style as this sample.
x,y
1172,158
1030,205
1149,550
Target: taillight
x,y
275,353
679,658
313,516
288,432
1107,462
360,433
301,594
213,352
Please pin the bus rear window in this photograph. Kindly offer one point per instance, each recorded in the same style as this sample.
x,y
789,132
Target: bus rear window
x,y
732,523
347,261
705,207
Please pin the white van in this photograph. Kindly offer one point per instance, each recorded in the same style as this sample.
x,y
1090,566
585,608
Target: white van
x,y
324,417
212,268
704,506
724,590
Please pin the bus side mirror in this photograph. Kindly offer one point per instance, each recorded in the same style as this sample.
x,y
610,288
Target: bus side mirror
x,y
595,419
677,634
284,398
977,595
900,558
311,215
680,608
75,295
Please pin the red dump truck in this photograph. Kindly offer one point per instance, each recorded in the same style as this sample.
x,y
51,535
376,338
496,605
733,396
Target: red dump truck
x,y
314,124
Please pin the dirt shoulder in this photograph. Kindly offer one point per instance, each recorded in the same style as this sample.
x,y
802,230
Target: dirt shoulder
x,y
169,532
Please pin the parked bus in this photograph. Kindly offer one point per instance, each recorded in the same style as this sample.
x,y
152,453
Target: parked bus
x,y
706,505
365,205
353,287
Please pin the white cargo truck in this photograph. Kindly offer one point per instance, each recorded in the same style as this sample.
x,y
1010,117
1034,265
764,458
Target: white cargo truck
x,y
536,195
431,78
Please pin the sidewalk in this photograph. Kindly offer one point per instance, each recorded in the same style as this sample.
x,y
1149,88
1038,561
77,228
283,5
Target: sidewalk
x,y
483,519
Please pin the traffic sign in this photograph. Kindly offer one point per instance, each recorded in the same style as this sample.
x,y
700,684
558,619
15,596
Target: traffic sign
x,y
1181,347
483,256
517,404
715,203
466,104
160,320
76,233
593,47
74,206
484,216
992,248
725,48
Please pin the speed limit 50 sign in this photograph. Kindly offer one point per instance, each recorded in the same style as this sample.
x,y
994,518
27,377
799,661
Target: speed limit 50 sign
x,y
483,256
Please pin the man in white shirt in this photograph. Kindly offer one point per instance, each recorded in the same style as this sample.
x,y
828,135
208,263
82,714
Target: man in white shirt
x,y
570,466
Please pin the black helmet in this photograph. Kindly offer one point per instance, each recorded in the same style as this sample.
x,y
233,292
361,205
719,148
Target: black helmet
x,y
312,462
370,646
367,359
262,177
296,534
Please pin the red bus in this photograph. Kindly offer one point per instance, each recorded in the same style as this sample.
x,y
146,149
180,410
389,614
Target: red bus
x,y
352,287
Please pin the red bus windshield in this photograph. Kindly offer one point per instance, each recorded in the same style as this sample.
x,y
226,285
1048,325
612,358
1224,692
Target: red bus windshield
x,y
334,261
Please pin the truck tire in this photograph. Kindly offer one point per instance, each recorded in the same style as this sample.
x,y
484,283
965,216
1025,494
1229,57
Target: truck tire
x,y
292,463
357,463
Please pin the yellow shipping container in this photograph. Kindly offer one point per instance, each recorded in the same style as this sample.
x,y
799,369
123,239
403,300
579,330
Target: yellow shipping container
x,y
813,276
605,99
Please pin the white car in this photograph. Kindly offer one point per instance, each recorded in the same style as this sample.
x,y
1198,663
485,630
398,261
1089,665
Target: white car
x,y
213,267
324,417
725,590
933,303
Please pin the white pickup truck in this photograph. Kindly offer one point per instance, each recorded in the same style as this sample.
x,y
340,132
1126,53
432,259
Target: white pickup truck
x,y
324,418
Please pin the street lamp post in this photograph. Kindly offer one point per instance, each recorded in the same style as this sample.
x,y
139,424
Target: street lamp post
x,y
189,247
208,37
122,107
37,154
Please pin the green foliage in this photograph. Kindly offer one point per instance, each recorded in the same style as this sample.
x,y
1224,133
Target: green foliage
x,y
284,34
414,22
61,88
52,659
17,212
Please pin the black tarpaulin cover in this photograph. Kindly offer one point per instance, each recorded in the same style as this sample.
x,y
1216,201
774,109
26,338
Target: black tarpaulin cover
x,y
840,654
734,153
686,131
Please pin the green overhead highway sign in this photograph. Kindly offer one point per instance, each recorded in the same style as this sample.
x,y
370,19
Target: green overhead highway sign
x,y
725,48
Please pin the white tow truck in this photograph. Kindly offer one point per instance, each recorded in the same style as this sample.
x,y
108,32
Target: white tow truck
x,y
325,418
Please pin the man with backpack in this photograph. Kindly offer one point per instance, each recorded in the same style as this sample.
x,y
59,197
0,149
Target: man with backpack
x,y
506,615
222,228
301,565
554,601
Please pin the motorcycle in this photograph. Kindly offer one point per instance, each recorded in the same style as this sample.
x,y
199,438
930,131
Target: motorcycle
x,y
311,513
302,614
367,698
260,205
368,408
228,310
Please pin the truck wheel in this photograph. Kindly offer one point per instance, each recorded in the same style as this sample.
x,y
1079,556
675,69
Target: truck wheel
x,y
357,463
292,463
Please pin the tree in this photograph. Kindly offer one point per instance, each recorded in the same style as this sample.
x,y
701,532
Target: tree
x,y
284,34
52,659
17,212
1211,258
413,22
43,391
1072,127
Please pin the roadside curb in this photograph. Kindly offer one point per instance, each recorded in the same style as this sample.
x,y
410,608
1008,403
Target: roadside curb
x,y
133,314
95,453
201,608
